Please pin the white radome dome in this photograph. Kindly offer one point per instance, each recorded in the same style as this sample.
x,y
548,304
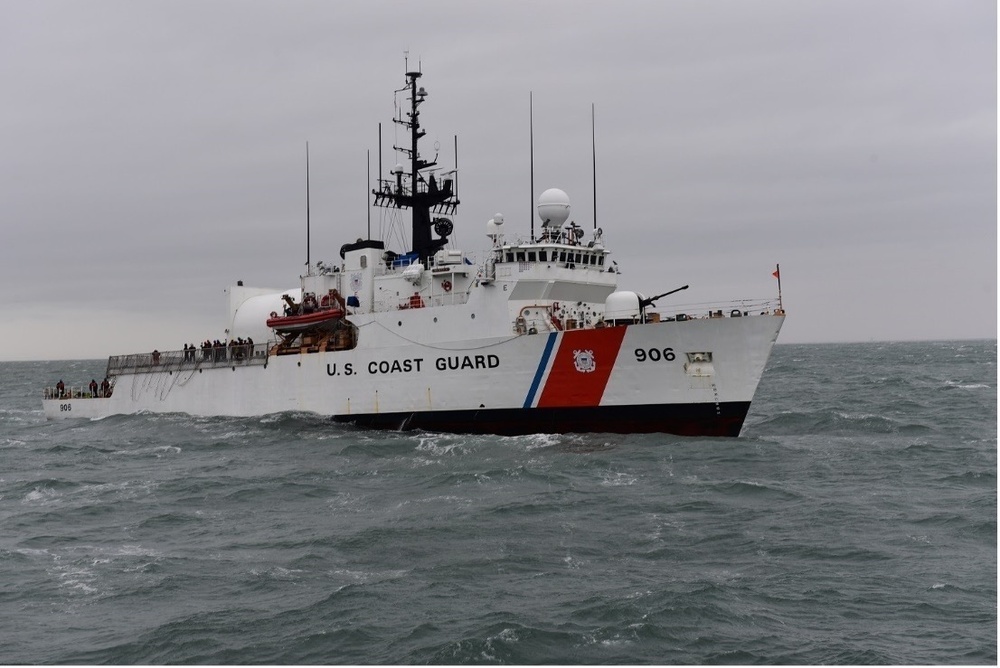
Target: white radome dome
x,y
621,305
553,207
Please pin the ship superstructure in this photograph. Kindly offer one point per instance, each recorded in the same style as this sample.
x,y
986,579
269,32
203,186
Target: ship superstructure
x,y
535,337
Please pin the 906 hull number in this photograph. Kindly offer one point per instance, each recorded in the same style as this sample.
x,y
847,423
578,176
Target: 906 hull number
x,y
654,355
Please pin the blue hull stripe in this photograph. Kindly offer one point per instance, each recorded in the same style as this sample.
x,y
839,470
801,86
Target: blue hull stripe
x,y
544,362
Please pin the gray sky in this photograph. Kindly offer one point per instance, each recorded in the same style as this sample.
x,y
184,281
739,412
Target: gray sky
x,y
152,153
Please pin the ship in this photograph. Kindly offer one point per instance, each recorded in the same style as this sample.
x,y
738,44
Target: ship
x,y
533,335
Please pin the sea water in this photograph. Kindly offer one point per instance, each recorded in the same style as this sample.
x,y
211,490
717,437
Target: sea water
x,y
854,521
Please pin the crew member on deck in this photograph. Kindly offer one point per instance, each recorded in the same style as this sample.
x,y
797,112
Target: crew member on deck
x,y
93,387
61,388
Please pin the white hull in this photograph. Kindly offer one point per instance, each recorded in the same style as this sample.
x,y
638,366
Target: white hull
x,y
514,383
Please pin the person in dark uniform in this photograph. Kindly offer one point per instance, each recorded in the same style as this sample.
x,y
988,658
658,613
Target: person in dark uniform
x,y
93,387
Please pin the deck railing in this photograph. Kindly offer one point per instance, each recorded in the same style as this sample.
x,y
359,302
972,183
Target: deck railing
x,y
740,307
74,392
193,358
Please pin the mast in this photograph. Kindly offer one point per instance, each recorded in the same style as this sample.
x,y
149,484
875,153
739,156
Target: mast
x,y
368,176
531,159
593,154
410,189
308,270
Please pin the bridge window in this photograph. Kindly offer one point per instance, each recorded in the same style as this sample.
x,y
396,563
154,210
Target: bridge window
x,y
600,260
531,256
562,256
510,256
543,256
520,256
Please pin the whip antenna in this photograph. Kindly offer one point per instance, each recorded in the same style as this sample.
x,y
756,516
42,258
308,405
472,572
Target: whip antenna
x,y
368,176
593,153
531,154
307,208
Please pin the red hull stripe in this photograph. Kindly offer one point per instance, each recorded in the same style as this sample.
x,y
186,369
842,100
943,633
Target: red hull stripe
x,y
582,367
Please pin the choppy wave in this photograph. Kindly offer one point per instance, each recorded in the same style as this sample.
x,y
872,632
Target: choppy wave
x,y
853,522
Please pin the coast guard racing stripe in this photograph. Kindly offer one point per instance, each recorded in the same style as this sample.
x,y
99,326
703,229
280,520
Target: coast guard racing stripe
x,y
542,364
580,369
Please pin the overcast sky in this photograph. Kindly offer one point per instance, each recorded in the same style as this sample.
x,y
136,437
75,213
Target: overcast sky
x,y
152,153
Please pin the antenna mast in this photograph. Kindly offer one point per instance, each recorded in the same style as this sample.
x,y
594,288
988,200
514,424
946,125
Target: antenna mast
x,y
308,269
368,175
423,196
531,155
593,153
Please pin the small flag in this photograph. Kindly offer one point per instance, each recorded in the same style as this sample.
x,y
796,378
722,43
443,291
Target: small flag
x,y
777,274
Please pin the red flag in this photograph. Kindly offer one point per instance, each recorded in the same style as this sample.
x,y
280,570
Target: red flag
x,y
777,274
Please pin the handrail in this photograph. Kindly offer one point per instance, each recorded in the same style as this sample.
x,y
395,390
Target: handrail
x,y
748,304
696,311
193,358
73,392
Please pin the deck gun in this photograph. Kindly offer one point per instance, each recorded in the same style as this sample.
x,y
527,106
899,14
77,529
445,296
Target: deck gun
x,y
648,301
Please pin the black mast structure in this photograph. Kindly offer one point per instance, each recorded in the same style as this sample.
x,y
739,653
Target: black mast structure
x,y
423,196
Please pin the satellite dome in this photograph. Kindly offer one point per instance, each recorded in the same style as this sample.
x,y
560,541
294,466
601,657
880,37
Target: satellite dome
x,y
553,207
494,226
622,305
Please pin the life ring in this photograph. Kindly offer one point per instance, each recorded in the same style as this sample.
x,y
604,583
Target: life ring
x,y
446,285
274,314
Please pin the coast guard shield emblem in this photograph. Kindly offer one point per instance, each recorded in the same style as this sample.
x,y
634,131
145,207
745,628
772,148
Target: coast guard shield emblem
x,y
584,361
356,282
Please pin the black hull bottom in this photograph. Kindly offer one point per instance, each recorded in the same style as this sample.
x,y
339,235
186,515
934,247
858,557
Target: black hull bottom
x,y
682,419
